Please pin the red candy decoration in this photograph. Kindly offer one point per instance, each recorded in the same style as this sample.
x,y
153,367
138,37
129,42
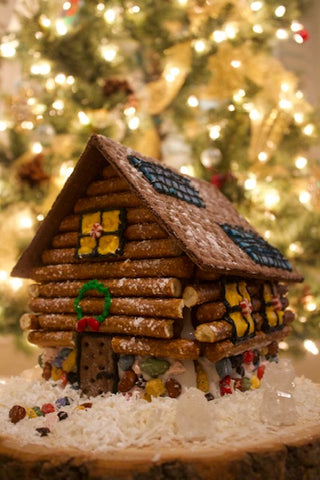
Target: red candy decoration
x,y
90,322
93,324
96,230
276,302
246,307
81,325
225,388
248,356
303,35
47,408
260,371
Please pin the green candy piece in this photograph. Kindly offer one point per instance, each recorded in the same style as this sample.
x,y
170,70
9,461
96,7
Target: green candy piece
x,y
154,366
38,411
246,382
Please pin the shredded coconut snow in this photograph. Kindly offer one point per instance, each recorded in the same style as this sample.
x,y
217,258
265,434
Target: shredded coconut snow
x,y
120,421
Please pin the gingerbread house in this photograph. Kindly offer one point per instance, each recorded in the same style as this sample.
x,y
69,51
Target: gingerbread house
x,y
143,275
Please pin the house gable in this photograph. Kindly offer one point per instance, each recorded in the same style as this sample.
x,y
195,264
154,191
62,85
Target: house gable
x,y
196,225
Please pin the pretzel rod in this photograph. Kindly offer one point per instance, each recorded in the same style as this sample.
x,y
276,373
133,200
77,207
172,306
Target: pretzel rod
x,y
180,349
203,275
144,231
29,321
138,287
52,339
149,327
134,215
111,185
147,231
144,249
158,307
112,200
201,293
208,312
221,330
109,172
180,267
217,351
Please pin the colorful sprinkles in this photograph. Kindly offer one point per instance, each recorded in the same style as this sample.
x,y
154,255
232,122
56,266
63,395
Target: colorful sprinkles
x,y
165,181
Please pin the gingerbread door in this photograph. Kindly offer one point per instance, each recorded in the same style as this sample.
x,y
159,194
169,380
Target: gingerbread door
x,y
97,365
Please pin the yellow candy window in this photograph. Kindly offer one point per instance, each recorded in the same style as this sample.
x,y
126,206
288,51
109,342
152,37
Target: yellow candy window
x,y
101,233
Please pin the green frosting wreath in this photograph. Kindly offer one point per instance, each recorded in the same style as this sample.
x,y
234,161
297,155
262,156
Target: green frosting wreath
x,y
94,285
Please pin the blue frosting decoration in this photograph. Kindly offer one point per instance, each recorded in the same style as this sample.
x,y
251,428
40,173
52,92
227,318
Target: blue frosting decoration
x,y
165,181
256,247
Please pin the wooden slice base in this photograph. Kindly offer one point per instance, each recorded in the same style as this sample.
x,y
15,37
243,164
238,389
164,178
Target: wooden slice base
x,y
295,455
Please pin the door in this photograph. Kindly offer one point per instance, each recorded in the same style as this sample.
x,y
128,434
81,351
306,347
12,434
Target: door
x,y
98,371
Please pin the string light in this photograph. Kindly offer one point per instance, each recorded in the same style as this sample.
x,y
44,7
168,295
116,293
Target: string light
x,y
214,131
256,6
193,101
110,15
296,26
3,275
44,21
308,129
283,345
301,162
66,170
36,147
24,221
40,68
100,7
231,30
200,46
235,63
66,6
187,170
15,283
171,74
271,199
267,234
27,125
60,79
250,183
255,115
257,28
262,157
298,117
109,52
285,104
311,347
129,111
219,36
58,105
296,248
231,107
282,34
83,118
8,47
134,123
238,96
3,126
134,9
61,27
280,11
304,197
40,217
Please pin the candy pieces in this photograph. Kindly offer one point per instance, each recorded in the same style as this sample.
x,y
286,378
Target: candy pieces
x,y
173,388
193,415
43,431
62,402
62,415
17,413
126,361
127,381
154,388
224,367
47,408
154,366
202,377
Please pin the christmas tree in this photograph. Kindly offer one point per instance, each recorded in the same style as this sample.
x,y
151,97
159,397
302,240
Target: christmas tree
x,y
191,82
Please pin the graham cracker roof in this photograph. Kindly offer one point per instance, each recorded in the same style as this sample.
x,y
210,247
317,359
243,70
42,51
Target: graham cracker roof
x,y
199,230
